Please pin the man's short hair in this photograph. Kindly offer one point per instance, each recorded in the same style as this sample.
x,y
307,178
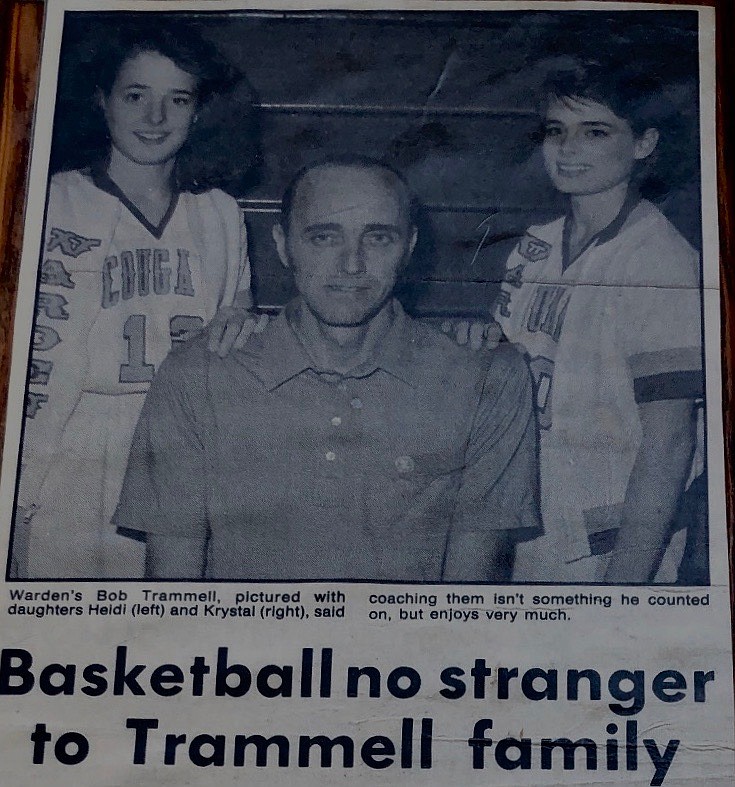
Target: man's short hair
x,y
357,162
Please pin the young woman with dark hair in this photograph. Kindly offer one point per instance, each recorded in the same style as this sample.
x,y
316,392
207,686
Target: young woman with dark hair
x,y
605,301
135,259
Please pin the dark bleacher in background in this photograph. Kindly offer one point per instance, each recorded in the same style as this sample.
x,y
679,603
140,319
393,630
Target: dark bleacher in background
x,y
450,98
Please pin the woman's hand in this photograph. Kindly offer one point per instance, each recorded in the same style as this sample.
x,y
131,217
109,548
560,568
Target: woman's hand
x,y
231,328
478,335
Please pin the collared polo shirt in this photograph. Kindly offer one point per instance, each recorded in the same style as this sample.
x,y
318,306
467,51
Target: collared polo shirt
x,y
293,472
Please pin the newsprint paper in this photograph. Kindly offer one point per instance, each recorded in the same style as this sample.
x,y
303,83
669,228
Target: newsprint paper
x,y
365,406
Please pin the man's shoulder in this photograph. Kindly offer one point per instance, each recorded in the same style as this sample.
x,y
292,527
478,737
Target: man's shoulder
x,y
189,359
442,356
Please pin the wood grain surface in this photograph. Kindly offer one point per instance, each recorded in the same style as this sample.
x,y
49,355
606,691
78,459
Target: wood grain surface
x,y
20,34
20,43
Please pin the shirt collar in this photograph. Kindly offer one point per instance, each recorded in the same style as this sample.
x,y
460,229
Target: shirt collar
x,y
101,179
278,354
632,198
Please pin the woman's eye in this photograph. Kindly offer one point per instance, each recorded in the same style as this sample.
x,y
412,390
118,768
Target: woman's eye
x,y
132,97
552,131
597,133
183,101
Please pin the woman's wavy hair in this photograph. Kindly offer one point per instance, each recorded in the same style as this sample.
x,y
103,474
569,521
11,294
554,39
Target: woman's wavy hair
x,y
222,148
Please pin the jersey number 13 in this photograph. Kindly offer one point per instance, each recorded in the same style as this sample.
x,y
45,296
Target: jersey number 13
x,y
136,370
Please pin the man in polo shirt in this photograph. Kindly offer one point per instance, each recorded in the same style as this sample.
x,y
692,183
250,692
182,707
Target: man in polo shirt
x,y
347,441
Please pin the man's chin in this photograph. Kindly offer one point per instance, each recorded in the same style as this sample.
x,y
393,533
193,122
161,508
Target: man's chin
x,y
345,321
348,317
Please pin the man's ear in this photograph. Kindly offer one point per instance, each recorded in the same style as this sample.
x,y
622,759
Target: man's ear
x,y
646,143
279,238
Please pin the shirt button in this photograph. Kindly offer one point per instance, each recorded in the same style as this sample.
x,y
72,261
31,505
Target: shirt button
x,y
330,456
405,464
356,403
336,421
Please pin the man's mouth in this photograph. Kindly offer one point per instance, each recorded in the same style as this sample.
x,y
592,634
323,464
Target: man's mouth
x,y
348,287
572,170
151,137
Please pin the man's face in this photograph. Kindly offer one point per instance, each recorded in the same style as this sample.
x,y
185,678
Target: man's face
x,y
348,235
150,108
588,149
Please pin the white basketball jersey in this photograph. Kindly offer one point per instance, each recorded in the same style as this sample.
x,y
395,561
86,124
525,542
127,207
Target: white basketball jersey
x,y
621,325
151,294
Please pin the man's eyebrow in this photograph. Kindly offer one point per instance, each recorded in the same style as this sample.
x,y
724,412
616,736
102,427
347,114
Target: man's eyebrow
x,y
597,123
137,85
325,227
382,228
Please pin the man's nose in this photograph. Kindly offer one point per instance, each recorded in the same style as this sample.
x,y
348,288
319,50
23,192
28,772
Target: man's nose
x,y
156,112
352,259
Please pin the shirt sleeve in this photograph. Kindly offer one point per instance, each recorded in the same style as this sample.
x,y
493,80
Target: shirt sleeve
x,y
662,333
164,490
67,305
500,485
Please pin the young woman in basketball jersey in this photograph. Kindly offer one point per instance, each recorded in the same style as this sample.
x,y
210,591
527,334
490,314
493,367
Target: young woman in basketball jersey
x,y
133,263
605,301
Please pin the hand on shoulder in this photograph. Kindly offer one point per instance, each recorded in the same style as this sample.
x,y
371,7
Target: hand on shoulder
x,y
475,334
231,328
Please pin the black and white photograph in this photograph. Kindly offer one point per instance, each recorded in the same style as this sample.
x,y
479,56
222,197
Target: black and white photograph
x,y
369,296
366,420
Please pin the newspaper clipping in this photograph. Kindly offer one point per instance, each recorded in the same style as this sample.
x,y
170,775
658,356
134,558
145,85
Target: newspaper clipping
x,y
365,407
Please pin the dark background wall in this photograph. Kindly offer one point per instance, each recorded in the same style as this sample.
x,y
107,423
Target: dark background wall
x,y
449,98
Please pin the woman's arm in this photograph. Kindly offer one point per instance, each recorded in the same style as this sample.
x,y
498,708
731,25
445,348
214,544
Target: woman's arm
x,y
654,488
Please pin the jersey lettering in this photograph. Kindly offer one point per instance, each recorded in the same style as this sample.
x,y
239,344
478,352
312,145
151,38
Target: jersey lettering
x,y
40,372
70,243
136,276
109,296
502,303
542,370
161,273
183,327
514,276
548,310
184,284
534,249
52,305
143,258
136,370
33,403
127,269
54,274
45,338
